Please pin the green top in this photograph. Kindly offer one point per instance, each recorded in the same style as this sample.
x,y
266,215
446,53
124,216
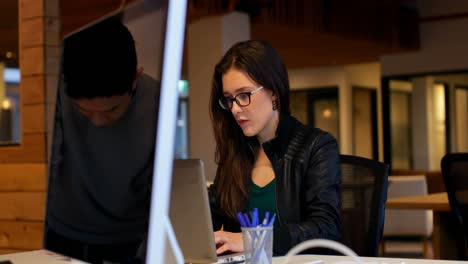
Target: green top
x,y
263,198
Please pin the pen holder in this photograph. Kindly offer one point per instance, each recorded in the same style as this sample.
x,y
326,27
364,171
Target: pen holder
x,y
258,244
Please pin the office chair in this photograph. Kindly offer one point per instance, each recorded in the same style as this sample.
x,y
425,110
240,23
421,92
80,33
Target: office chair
x,y
455,173
363,195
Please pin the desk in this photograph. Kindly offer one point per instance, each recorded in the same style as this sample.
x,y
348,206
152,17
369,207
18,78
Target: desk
x,y
47,257
304,259
436,202
39,257
445,233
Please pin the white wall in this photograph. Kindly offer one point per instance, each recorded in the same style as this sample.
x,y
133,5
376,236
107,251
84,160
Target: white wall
x,y
316,77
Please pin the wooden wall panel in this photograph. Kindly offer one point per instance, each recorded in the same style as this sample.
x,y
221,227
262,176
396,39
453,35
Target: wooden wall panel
x,y
33,118
32,149
33,91
23,168
32,61
22,206
23,177
21,234
31,8
32,32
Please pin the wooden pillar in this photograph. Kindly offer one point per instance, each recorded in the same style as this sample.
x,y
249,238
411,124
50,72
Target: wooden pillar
x,y
23,167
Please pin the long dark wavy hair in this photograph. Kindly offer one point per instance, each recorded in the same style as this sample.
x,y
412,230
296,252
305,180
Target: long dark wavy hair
x,y
235,153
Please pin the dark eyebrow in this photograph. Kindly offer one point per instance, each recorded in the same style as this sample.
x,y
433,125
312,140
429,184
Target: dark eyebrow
x,y
239,90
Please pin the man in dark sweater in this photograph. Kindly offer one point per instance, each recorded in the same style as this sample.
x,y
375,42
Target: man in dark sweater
x,y
102,150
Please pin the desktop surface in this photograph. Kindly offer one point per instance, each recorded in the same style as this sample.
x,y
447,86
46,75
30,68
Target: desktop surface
x,y
315,259
38,257
47,257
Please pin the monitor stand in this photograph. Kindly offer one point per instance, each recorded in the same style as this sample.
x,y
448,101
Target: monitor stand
x,y
172,252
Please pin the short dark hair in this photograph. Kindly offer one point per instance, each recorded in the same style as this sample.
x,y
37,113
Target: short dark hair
x,y
260,61
99,61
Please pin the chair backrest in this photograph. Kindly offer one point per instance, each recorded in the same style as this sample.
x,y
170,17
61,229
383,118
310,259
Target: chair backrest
x,y
363,194
455,173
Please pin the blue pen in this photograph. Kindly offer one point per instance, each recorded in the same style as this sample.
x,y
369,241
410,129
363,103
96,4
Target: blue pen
x,y
247,220
265,220
255,217
272,220
241,219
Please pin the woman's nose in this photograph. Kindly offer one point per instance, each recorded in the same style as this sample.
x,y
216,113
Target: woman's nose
x,y
236,108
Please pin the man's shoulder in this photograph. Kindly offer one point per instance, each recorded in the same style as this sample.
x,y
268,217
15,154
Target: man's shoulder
x,y
148,80
149,88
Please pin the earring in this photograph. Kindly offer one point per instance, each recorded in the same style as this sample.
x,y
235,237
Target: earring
x,y
274,106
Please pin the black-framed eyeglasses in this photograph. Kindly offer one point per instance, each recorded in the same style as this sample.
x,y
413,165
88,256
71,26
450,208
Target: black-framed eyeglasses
x,y
241,99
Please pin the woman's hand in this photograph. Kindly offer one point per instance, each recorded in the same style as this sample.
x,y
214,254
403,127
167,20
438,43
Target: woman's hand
x,y
228,241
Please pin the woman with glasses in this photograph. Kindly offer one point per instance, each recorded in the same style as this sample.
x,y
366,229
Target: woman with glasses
x,y
266,158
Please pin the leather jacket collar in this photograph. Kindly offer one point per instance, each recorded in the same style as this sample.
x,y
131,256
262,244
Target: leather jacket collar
x,y
277,147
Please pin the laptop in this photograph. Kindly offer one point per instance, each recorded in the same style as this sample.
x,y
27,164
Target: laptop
x,y
191,216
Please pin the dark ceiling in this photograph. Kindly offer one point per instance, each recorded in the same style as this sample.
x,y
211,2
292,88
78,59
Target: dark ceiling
x,y
9,32
319,36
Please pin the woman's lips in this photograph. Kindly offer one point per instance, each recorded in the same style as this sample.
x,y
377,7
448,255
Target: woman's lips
x,y
242,122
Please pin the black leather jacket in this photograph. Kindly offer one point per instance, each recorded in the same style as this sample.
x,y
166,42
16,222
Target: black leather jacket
x,y
307,170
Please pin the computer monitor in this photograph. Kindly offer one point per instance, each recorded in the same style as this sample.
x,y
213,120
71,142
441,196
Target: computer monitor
x,y
157,26
160,228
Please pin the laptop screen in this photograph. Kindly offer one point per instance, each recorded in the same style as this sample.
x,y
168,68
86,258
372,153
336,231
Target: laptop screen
x,y
114,131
